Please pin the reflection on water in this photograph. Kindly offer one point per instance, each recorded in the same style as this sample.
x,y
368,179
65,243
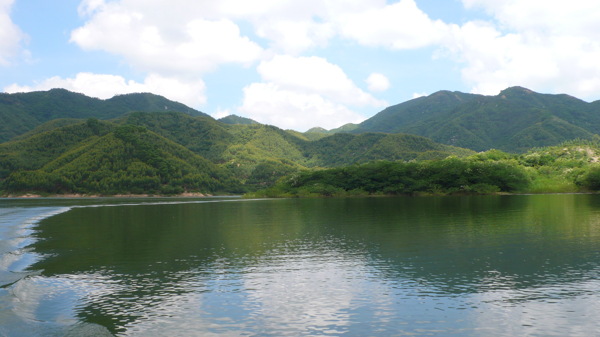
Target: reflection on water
x,y
451,266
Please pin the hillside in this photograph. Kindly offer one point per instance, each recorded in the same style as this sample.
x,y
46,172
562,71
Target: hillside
x,y
346,149
570,167
68,152
514,120
243,146
96,157
22,112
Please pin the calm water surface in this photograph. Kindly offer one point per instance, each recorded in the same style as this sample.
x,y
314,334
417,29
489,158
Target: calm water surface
x,y
431,266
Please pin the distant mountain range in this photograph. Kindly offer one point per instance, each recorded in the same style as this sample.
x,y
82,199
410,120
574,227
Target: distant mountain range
x,y
515,120
173,152
21,112
68,142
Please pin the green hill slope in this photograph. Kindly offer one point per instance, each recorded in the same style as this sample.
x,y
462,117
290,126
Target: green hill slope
x,y
346,149
107,159
87,155
23,112
515,120
242,147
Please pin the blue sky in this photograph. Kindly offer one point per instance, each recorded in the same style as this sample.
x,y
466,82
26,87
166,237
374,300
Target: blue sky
x,y
299,64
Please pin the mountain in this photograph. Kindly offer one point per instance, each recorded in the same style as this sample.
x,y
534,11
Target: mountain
x,y
319,132
234,119
243,146
343,149
514,120
22,112
168,151
101,157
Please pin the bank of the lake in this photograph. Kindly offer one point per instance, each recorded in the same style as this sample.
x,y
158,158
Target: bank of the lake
x,y
564,169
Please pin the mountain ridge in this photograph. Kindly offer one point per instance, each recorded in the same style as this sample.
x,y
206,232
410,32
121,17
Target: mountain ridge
x,y
514,120
22,112
62,158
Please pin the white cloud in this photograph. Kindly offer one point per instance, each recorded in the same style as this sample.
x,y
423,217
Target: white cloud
x,y
378,82
550,17
303,92
270,104
183,46
220,113
294,37
292,26
11,37
106,86
401,25
315,75
548,46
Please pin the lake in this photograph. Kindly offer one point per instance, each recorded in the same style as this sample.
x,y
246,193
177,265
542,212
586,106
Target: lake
x,y
520,265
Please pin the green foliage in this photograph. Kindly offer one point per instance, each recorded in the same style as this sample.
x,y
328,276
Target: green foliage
x,y
449,176
37,150
591,178
168,152
128,160
346,149
22,112
515,120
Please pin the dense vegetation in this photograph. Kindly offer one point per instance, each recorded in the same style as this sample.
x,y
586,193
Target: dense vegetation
x,y
23,112
571,167
244,148
100,158
113,151
170,153
515,120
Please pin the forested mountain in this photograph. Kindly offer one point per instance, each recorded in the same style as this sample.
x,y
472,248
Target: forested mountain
x,y
101,157
514,120
240,145
22,112
63,142
164,152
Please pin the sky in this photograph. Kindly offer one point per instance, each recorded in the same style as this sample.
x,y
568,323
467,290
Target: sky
x,y
298,64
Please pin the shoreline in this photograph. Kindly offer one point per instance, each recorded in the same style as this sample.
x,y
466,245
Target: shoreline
x,y
91,196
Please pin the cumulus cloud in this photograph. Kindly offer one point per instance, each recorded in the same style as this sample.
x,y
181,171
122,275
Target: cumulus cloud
x,y
303,92
106,86
378,82
184,46
544,45
11,37
401,25
294,37
314,75
271,104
